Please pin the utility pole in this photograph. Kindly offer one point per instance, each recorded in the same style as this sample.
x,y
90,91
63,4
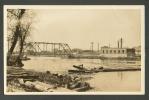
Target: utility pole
x,y
92,46
98,48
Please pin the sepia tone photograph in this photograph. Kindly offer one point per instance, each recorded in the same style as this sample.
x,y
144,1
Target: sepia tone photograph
x,y
74,49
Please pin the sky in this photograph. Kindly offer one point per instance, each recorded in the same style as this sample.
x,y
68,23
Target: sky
x,y
80,27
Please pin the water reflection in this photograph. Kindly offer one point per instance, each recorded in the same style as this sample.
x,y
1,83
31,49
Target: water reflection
x,y
116,81
120,63
120,74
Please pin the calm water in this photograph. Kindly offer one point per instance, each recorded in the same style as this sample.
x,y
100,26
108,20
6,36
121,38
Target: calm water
x,y
104,81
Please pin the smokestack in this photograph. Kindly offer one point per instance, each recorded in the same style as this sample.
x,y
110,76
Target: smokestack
x,y
121,42
118,43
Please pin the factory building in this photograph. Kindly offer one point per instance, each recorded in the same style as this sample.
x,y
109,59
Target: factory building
x,y
117,52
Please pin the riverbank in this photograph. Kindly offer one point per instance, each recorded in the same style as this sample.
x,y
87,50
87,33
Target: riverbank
x,y
101,81
19,79
22,80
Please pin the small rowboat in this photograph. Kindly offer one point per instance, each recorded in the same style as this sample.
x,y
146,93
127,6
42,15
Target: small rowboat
x,y
80,67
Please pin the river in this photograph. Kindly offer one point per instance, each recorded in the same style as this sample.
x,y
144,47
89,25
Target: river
x,y
103,81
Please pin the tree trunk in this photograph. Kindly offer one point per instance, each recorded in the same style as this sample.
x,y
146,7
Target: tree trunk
x,y
17,32
19,58
14,42
22,40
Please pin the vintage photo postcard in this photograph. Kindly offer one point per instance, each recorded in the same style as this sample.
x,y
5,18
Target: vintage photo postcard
x,y
74,50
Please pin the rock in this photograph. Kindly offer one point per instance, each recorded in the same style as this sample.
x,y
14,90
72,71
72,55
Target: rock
x,y
42,86
21,81
29,84
39,86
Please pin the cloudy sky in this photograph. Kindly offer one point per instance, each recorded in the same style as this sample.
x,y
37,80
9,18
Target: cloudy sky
x,y
80,27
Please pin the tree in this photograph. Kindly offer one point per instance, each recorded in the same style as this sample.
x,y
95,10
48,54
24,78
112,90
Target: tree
x,y
19,26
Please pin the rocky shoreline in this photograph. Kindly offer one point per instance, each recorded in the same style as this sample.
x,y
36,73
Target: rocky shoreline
x,y
19,79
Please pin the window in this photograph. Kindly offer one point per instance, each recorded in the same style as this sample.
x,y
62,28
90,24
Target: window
x,y
103,51
118,51
114,51
123,51
110,51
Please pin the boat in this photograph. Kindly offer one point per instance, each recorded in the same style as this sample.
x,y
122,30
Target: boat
x,y
95,70
80,67
79,71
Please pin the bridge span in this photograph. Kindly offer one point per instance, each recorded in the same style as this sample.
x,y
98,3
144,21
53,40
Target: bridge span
x,y
47,49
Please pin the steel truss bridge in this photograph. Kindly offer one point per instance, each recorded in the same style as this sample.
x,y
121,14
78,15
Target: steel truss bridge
x,y
47,49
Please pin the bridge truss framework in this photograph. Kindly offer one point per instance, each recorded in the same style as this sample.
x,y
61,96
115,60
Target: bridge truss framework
x,y
48,49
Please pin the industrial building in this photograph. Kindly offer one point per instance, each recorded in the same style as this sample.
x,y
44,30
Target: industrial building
x,y
118,52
